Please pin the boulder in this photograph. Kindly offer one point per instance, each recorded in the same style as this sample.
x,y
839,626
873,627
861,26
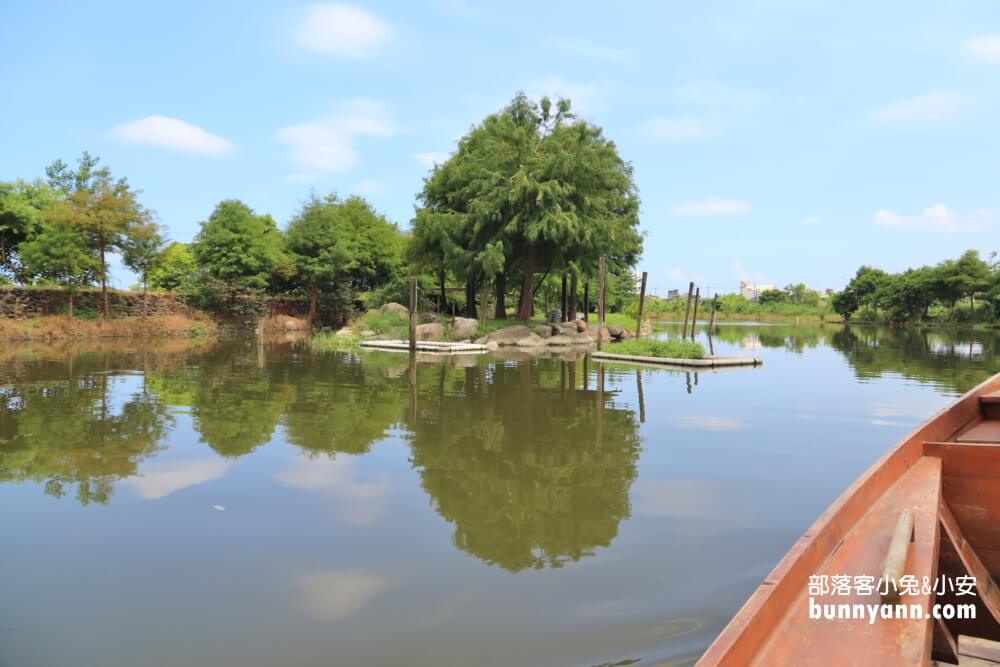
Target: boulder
x,y
543,330
508,335
397,308
367,333
531,340
592,333
561,340
430,331
463,326
615,331
568,328
626,335
426,317
345,333
492,345
581,326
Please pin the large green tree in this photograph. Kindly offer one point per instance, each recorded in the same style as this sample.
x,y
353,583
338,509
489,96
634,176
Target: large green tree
x,y
105,210
174,269
239,247
59,253
532,189
140,251
23,206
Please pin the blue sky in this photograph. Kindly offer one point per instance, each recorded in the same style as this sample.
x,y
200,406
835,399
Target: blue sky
x,y
776,140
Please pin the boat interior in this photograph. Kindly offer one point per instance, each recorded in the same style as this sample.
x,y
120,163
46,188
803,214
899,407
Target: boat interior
x,y
939,488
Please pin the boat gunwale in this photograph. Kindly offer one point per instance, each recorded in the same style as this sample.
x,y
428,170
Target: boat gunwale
x,y
747,632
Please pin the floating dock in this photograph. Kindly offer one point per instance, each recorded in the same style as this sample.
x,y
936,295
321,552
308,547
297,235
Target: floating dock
x,y
427,346
704,362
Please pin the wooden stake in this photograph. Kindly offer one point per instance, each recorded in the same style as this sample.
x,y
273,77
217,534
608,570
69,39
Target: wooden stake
x,y
413,314
600,302
694,319
642,300
483,303
564,305
586,300
687,311
715,306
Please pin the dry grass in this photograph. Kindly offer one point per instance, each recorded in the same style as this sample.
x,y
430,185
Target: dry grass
x,y
58,327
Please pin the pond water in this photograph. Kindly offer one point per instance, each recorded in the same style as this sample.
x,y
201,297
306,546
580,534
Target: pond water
x,y
204,503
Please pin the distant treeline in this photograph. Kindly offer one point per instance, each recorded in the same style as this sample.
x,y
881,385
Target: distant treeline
x,y
530,192
963,290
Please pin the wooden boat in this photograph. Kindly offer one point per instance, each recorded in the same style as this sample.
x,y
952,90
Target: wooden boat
x,y
929,508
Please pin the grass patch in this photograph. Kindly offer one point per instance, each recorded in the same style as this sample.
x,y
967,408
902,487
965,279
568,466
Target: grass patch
x,y
672,348
329,341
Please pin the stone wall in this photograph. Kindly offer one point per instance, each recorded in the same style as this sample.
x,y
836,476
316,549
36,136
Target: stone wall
x,y
23,303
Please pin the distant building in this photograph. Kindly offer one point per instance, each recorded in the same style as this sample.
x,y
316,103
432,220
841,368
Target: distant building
x,y
673,294
752,292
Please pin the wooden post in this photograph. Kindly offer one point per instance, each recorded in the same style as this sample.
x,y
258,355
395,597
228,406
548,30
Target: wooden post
x,y
642,299
687,311
694,318
586,300
413,314
483,303
600,302
715,306
642,400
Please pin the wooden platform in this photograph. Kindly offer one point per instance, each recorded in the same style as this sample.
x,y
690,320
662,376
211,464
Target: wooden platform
x,y
986,432
705,362
428,346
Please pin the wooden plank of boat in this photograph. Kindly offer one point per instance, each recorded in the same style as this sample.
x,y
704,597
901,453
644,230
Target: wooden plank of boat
x,y
853,538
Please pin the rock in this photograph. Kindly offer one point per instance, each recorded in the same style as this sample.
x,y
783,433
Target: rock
x,y
531,340
492,345
482,340
509,335
581,326
397,308
367,333
626,335
592,333
568,328
615,331
345,333
430,331
464,326
543,330
291,325
426,318
561,340
553,316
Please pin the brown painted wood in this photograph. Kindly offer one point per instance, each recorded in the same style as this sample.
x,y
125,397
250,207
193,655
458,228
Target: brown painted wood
x,y
987,592
763,617
945,645
990,397
642,301
895,560
987,432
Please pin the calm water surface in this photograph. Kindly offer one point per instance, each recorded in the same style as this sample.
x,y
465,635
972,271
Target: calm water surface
x,y
197,504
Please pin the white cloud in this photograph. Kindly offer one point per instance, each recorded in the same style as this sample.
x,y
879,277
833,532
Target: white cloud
x,y
333,595
743,274
811,221
160,479
586,49
938,217
584,96
431,159
985,48
328,145
172,134
707,423
679,128
933,107
340,30
359,502
707,109
677,276
712,206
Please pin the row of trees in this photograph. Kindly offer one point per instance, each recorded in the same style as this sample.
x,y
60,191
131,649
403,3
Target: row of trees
x,y
914,294
532,190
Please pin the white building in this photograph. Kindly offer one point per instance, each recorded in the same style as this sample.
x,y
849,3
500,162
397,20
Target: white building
x,y
752,292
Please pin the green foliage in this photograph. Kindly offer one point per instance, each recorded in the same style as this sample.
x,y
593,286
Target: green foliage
x,y
59,253
141,249
23,207
238,247
329,341
174,269
671,348
771,296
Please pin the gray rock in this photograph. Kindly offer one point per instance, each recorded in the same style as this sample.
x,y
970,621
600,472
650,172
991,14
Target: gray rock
x,y
592,333
531,340
543,330
398,308
561,340
615,331
464,326
581,326
492,345
367,333
345,333
430,331
509,335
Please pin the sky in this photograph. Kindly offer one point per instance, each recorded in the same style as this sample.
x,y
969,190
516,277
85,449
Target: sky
x,y
776,141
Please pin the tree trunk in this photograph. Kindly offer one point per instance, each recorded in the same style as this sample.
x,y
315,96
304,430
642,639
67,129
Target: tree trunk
x,y
145,297
586,300
526,307
444,296
312,306
70,303
571,315
104,282
564,302
470,297
501,309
